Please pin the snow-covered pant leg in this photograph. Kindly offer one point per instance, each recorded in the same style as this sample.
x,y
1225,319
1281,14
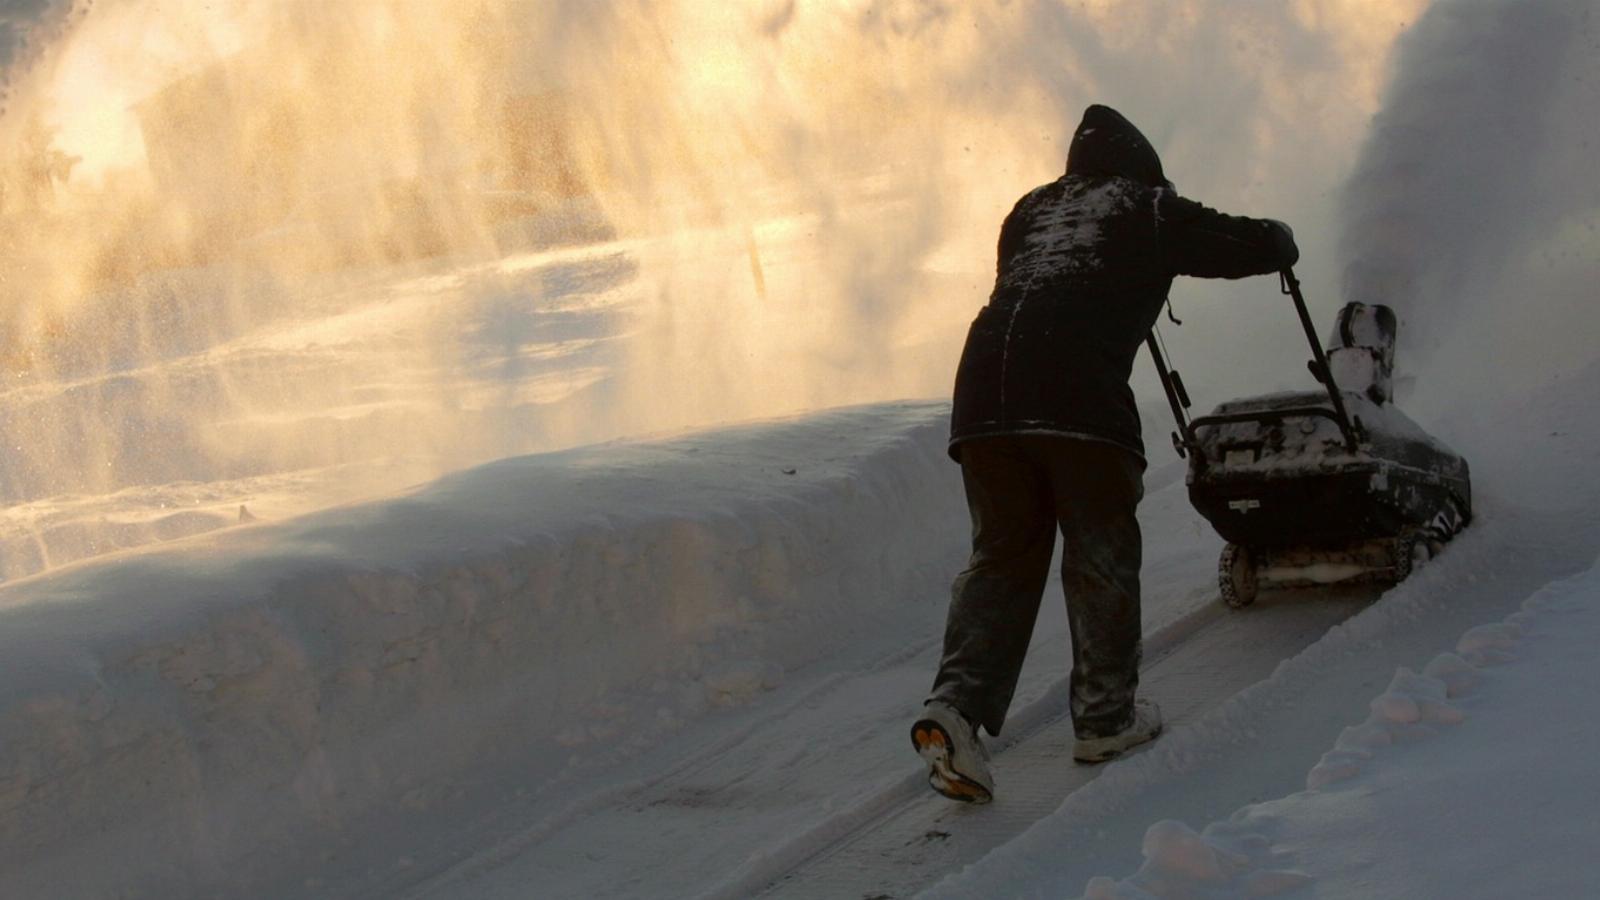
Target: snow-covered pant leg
x,y
995,601
1020,490
1097,490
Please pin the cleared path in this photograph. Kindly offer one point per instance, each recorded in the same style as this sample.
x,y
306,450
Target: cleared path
x,y
923,837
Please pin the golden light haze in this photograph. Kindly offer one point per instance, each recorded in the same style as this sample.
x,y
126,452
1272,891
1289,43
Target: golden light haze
x,y
810,190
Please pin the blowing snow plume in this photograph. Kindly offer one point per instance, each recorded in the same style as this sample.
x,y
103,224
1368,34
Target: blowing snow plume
x,y
242,240
893,135
1474,208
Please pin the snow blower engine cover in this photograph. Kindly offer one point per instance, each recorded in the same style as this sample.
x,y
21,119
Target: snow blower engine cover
x,y
1276,475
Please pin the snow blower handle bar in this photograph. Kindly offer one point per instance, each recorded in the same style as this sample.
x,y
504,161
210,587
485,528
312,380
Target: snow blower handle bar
x,y
1319,360
1183,439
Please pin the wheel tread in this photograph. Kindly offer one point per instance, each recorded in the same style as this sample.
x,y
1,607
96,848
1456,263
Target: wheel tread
x,y
1236,576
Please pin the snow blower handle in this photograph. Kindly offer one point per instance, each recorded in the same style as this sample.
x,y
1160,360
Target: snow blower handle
x,y
1319,360
1172,383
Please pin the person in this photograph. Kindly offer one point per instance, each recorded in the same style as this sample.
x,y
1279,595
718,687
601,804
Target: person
x,y
1047,435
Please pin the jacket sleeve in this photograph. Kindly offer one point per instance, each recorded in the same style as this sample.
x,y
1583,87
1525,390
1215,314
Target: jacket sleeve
x,y
1198,240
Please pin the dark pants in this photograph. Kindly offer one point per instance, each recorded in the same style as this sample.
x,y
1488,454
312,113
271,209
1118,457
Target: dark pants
x,y
1020,489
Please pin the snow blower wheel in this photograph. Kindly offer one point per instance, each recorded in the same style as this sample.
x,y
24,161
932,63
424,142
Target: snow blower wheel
x,y
1411,552
1236,576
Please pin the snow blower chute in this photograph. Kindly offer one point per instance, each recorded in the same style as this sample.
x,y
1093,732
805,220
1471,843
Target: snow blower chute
x,y
1326,486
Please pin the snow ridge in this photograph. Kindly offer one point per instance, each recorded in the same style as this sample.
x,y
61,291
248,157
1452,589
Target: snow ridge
x,y
1244,856
203,713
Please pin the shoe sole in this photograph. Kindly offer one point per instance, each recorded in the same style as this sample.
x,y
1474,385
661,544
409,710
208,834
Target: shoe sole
x,y
1113,754
933,745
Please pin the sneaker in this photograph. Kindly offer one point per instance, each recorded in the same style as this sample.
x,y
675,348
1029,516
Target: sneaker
x,y
958,764
1146,726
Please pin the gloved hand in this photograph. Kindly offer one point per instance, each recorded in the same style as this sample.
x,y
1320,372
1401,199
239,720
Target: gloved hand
x,y
1283,245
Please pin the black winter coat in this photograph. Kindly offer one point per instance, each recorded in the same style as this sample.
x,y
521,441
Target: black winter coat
x,y
1085,264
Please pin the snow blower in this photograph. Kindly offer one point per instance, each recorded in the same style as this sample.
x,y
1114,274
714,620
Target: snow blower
x,y
1320,487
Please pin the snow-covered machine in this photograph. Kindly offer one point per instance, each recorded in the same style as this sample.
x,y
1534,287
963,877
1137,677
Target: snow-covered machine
x,y
1322,486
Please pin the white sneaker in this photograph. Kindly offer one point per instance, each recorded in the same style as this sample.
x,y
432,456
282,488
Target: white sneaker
x,y
958,763
1146,725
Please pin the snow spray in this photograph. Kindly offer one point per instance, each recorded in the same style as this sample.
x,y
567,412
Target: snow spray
x,y
793,204
1474,206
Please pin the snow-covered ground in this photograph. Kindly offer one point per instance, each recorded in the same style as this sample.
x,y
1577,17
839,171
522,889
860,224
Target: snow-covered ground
x,y
1467,780
507,632
684,666
241,657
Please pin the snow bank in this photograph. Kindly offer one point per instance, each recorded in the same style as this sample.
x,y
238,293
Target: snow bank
x,y
177,720
1481,750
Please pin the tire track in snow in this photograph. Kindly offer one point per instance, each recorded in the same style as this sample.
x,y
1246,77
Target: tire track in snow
x,y
659,789
917,837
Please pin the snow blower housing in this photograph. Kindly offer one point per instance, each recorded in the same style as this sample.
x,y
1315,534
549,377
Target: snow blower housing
x,y
1322,486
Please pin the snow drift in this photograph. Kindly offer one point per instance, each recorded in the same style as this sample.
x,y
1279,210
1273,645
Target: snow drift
x,y
1447,766
180,720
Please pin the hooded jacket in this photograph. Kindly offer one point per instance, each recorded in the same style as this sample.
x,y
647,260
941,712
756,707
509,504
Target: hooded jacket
x,y
1085,263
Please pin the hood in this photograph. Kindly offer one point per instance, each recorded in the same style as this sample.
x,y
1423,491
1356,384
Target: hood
x,y
1108,144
